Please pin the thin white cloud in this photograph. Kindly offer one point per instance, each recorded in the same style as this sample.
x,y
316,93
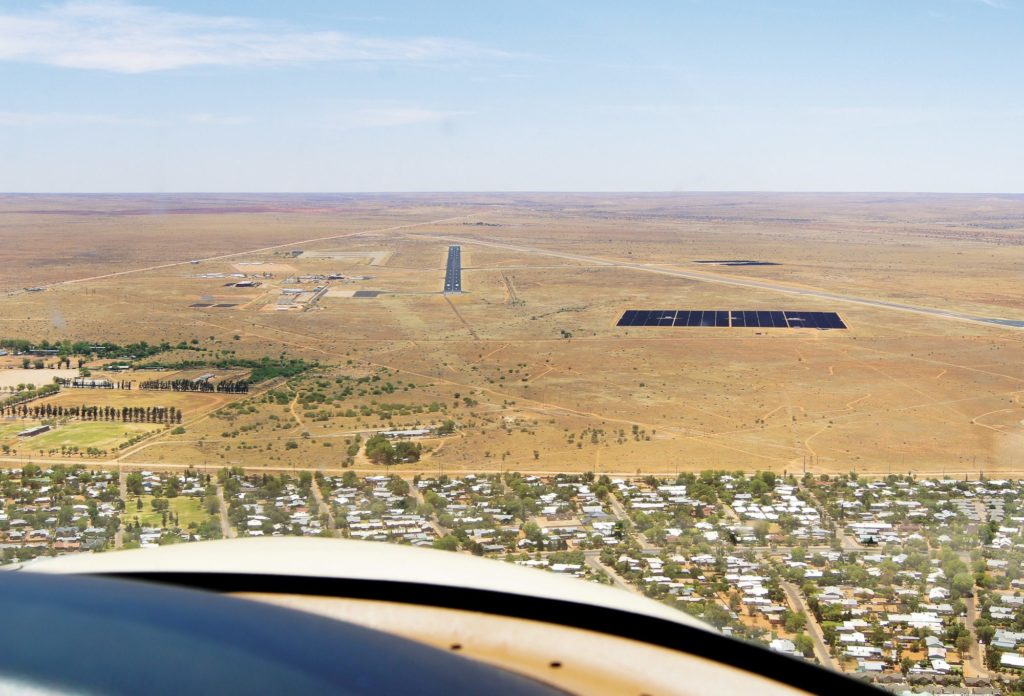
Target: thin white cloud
x,y
391,116
28,119
51,118
994,4
216,120
385,116
119,37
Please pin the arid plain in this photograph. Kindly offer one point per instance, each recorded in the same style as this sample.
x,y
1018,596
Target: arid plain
x,y
528,360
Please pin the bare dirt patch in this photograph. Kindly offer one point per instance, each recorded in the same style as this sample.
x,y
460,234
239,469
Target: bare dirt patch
x,y
13,377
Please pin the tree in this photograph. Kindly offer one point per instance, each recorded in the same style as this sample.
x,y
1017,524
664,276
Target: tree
x,y
398,486
407,452
134,483
761,531
795,622
379,450
533,532
804,643
962,584
984,630
993,657
716,615
446,543
905,664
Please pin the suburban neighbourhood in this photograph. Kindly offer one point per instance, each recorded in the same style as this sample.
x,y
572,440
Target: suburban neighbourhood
x,y
911,584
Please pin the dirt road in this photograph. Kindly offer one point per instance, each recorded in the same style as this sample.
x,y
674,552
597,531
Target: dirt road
x,y
226,530
974,659
122,487
325,507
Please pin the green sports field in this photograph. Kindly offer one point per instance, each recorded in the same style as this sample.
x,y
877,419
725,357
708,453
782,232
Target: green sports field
x,y
187,508
81,435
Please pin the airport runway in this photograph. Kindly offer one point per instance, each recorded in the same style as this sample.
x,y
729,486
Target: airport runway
x,y
743,282
453,272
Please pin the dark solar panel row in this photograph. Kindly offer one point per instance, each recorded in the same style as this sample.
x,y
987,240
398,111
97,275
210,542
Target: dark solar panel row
x,y
661,317
750,318
815,320
628,318
759,319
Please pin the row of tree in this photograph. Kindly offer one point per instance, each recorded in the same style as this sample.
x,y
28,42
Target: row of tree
x,y
126,414
227,386
66,382
25,395
39,363
67,348
233,386
261,370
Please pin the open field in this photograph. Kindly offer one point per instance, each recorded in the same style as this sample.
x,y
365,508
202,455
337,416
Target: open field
x,y
187,508
73,434
10,427
552,382
371,258
10,379
190,403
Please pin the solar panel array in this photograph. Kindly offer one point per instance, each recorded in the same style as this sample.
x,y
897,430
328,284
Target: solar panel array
x,y
759,318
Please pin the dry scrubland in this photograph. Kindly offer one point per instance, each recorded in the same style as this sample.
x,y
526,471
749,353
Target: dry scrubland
x,y
896,392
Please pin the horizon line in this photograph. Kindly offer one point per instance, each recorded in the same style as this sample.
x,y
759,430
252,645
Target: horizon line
x,y
519,191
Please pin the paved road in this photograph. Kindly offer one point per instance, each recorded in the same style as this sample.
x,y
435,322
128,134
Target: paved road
x,y
797,604
621,515
744,282
593,559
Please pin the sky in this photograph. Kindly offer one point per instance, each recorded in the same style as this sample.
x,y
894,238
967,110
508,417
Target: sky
x,y
681,95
